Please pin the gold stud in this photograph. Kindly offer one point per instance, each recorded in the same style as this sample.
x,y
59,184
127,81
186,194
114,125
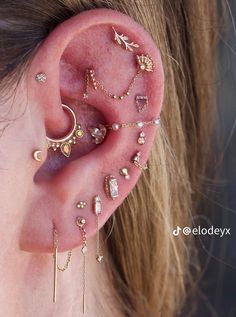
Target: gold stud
x,y
145,63
142,138
37,155
81,204
111,187
125,172
122,39
141,103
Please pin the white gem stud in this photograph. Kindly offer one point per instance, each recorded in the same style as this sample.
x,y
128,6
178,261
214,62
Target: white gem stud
x,y
139,124
125,172
41,78
97,205
115,126
141,138
157,121
111,187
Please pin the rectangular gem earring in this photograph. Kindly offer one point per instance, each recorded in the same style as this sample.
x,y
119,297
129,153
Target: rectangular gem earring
x,y
97,208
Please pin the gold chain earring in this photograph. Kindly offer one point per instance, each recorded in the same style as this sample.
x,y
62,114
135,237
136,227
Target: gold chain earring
x,y
64,143
97,208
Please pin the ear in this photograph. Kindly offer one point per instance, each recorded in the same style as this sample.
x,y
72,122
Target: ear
x,y
87,41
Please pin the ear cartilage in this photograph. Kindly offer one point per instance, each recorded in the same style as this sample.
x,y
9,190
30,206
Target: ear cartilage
x,y
141,138
122,39
141,103
111,187
41,78
136,161
144,64
125,172
81,204
97,209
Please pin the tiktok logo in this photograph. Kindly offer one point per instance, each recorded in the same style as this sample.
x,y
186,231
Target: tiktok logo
x,y
176,231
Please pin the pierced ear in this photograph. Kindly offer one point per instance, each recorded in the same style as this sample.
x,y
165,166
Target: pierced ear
x,y
107,69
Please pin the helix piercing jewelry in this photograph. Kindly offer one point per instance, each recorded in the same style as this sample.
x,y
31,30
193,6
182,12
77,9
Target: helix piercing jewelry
x,y
41,78
125,172
37,155
122,39
56,267
141,138
141,103
64,144
97,208
136,161
81,222
81,204
145,63
111,187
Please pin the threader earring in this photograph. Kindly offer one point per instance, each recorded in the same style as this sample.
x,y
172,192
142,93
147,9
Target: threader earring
x,y
56,267
97,208
80,222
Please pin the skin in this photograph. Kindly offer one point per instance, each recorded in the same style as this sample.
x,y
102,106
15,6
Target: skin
x,y
36,196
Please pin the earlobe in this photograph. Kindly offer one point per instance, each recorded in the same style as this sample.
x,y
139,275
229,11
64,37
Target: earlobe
x,y
99,64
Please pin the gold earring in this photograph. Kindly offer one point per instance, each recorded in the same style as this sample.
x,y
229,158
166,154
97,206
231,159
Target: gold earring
x,y
122,39
97,208
64,144
56,267
41,78
80,222
37,155
141,103
136,161
111,187
125,172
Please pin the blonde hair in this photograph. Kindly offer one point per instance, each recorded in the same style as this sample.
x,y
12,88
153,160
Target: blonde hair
x,y
148,266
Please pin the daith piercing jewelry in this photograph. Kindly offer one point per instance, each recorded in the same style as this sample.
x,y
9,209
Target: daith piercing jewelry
x,y
111,187
81,204
37,155
136,161
64,144
81,222
125,172
145,63
122,39
41,78
97,208
141,103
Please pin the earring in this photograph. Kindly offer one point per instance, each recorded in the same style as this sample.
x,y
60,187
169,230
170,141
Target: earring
x,y
80,222
123,39
56,267
37,155
98,134
41,78
81,204
64,144
136,161
111,187
142,138
141,103
125,172
97,208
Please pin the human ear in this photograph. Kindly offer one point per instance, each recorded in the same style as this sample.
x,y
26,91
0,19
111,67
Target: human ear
x,y
85,42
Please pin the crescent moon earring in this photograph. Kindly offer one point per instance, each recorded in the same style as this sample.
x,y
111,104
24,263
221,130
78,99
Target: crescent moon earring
x,y
37,155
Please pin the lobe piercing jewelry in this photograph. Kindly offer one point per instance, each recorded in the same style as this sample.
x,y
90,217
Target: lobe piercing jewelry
x,y
141,103
37,155
81,204
81,222
97,208
56,267
142,138
145,63
64,144
125,172
41,78
122,39
136,161
111,187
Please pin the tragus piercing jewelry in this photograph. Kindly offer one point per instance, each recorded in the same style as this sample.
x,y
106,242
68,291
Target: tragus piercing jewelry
x,y
37,155
64,144
97,208
122,39
56,267
145,63
142,138
141,103
125,172
81,222
136,161
81,204
41,78
99,133
111,187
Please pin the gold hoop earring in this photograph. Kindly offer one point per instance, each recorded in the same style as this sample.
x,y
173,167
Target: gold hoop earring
x,y
64,144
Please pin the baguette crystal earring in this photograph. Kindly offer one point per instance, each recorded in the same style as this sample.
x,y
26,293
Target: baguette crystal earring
x,y
81,222
64,144
97,208
111,187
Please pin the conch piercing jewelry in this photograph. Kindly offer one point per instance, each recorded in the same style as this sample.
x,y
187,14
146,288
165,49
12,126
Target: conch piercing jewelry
x,y
136,161
141,103
37,155
97,208
56,267
81,204
80,222
64,144
125,172
145,63
99,133
111,187
41,78
122,39
142,138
